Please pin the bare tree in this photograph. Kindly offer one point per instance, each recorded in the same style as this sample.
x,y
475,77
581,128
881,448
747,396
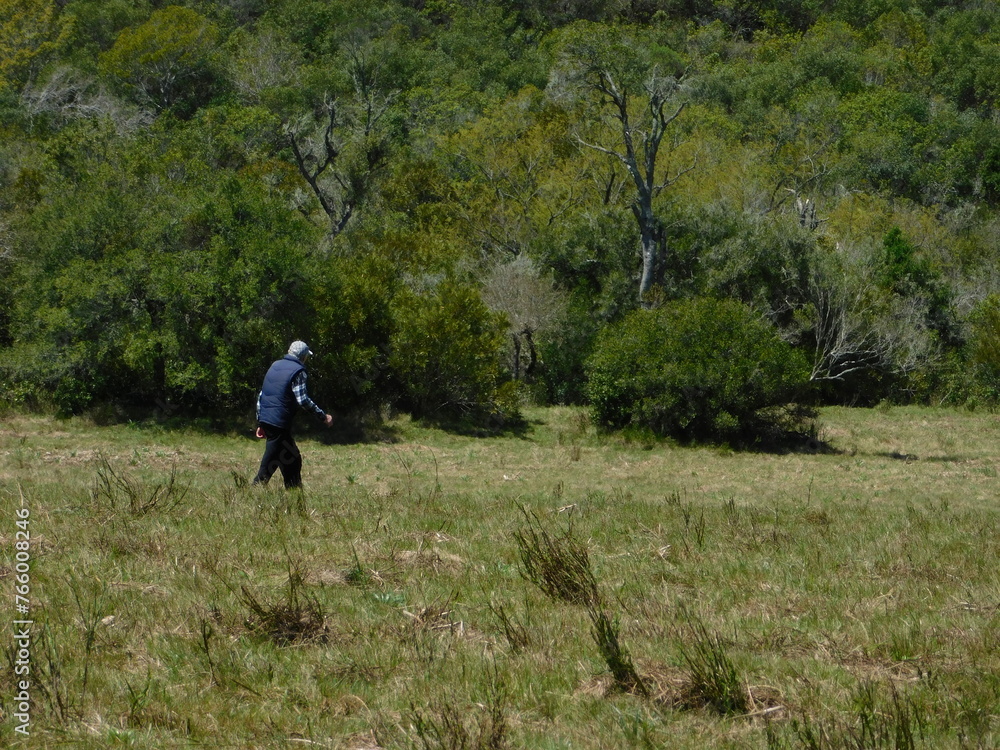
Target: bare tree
x,y
339,149
638,153
266,61
799,174
317,145
68,95
531,304
844,343
858,327
6,241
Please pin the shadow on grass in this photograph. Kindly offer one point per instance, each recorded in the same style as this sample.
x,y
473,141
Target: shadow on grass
x,y
897,456
493,427
911,457
789,443
366,428
354,429
347,429
773,443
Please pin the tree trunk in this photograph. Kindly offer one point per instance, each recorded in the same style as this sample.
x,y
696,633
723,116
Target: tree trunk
x,y
650,246
517,355
532,355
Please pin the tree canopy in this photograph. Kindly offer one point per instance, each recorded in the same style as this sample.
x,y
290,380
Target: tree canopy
x,y
453,200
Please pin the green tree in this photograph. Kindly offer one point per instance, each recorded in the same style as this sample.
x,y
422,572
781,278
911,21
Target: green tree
x,y
516,174
136,288
96,24
984,346
167,61
965,52
349,325
910,275
28,30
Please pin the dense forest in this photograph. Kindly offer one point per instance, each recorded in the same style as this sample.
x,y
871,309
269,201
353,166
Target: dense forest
x,y
461,204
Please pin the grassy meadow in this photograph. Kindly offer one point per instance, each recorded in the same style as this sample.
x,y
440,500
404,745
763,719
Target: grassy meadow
x,y
556,588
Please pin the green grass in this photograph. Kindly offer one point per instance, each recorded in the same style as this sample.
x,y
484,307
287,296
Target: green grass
x,y
843,598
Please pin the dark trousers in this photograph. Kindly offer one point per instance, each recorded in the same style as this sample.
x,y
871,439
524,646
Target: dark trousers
x,y
281,452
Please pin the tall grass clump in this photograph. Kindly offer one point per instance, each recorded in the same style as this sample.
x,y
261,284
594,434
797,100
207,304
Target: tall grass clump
x,y
116,490
713,680
296,616
884,719
64,664
444,725
560,567
513,629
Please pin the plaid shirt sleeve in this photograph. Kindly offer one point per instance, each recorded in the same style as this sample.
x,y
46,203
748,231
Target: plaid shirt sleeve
x,y
299,390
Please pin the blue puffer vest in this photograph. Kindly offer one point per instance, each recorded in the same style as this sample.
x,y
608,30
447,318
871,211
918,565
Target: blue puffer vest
x,y
277,402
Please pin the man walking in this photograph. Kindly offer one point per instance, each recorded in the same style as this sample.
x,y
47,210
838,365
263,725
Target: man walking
x,y
283,392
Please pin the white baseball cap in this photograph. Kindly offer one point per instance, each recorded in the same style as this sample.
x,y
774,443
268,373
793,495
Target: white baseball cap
x,y
299,349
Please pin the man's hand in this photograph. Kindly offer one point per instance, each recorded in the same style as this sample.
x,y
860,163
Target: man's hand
x,y
328,420
260,432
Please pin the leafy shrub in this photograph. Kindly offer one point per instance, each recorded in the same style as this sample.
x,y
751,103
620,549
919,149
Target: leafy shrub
x,y
446,354
350,328
984,350
123,299
694,369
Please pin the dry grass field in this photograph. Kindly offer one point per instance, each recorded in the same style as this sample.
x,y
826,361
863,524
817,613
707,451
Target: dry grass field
x,y
557,588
